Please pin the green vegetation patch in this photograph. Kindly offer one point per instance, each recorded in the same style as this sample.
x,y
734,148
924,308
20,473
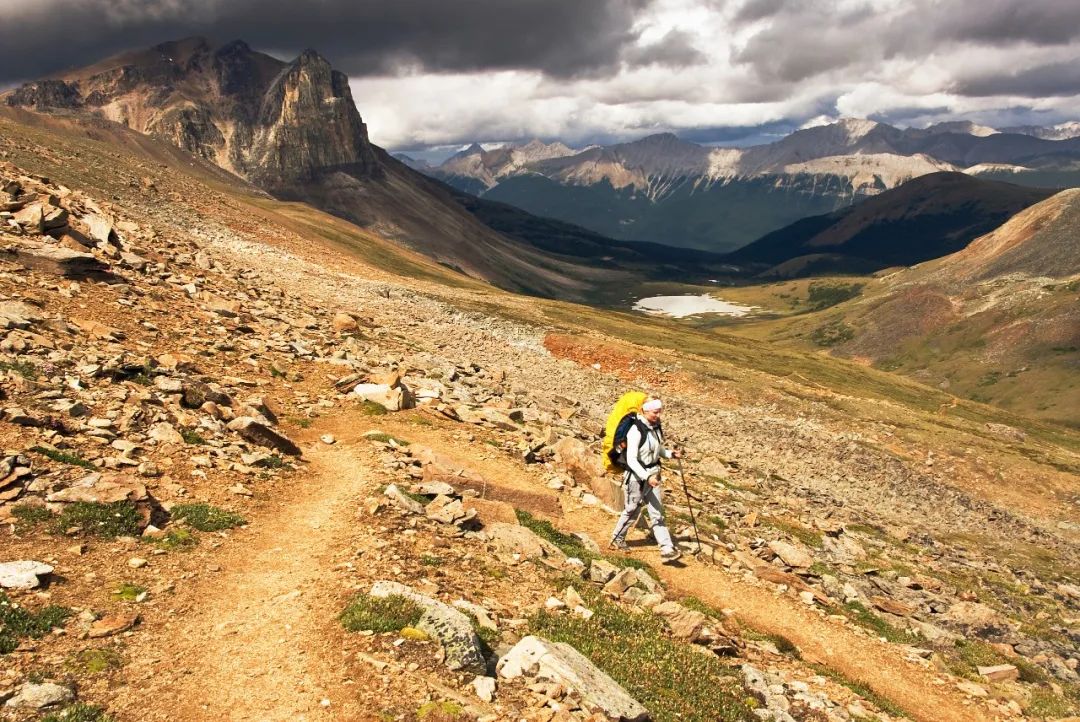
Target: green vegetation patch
x,y
20,366
119,518
862,616
1046,704
95,661
16,622
380,614
430,560
28,516
301,421
441,711
672,679
205,517
860,689
79,712
385,438
967,656
127,592
63,457
177,540
809,537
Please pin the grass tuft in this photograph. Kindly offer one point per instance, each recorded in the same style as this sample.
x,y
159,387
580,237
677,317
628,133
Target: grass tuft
x,y
441,712
119,518
862,616
372,408
571,546
64,457
192,437
79,712
16,622
24,368
385,438
28,516
380,614
205,517
177,540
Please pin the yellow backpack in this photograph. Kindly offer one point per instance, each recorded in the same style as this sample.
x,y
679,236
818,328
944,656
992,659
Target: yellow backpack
x,y
630,402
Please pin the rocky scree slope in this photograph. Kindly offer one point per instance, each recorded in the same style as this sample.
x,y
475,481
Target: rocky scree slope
x,y
790,498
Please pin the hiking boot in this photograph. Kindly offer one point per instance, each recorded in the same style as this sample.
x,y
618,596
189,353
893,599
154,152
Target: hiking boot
x,y
671,556
619,545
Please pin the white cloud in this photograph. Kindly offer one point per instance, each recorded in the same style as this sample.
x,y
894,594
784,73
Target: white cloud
x,y
752,63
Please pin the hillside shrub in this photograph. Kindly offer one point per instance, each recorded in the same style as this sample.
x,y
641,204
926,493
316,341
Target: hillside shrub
x,y
825,295
832,334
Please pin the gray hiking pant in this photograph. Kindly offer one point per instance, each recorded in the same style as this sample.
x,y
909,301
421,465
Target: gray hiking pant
x,y
638,493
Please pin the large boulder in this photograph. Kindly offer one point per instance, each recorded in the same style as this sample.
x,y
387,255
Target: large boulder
x,y
390,398
684,623
560,663
441,621
22,574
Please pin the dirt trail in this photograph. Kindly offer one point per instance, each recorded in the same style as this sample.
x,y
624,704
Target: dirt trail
x,y
252,645
880,666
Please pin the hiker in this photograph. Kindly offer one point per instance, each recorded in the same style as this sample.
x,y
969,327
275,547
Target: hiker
x,y
641,480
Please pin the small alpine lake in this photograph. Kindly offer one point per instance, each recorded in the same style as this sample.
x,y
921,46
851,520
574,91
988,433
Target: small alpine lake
x,y
689,305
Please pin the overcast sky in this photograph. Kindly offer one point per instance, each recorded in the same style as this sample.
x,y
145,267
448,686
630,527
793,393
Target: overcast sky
x,y
444,72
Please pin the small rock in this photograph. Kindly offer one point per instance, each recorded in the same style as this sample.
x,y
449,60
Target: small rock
x,y
137,563
328,439
484,688
999,672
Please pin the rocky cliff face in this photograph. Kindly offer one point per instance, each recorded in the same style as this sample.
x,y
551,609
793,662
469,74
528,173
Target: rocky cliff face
x,y
270,122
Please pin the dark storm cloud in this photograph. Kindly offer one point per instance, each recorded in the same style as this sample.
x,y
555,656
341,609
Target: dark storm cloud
x,y
675,50
361,37
1058,79
1039,22
758,9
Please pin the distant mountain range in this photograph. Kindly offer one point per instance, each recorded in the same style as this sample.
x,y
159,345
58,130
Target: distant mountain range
x,y
668,190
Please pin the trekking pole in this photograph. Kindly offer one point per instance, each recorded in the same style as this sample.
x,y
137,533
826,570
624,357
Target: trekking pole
x,y
690,506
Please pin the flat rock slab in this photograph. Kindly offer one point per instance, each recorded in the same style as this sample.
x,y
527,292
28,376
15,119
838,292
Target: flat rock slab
x,y
441,621
40,696
59,261
559,662
22,574
113,624
515,543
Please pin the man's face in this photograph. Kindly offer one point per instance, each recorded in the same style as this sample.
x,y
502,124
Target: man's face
x,y
651,416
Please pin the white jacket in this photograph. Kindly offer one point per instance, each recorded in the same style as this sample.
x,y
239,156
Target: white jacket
x,y
643,455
